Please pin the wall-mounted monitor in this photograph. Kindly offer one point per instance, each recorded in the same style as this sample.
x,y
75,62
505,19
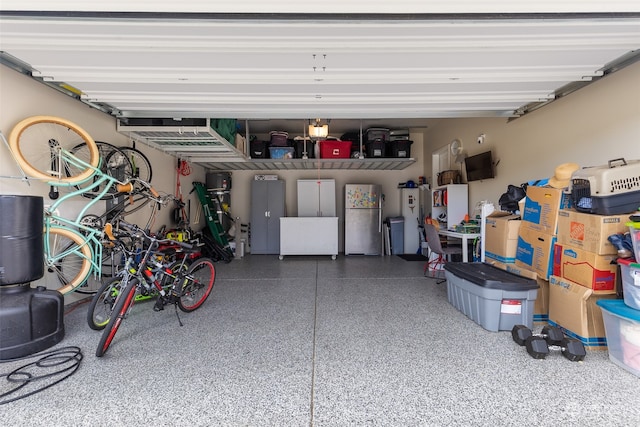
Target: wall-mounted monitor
x,y
479,166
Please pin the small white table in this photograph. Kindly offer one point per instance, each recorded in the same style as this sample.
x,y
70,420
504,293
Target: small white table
x,y
465,237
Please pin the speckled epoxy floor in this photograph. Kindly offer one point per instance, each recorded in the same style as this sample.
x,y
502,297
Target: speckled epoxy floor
x,y
311,341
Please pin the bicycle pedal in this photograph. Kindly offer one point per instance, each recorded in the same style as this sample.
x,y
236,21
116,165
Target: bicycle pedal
x,y
159,305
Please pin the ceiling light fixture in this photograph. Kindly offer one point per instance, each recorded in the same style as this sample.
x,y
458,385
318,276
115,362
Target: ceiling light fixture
x,y
318,130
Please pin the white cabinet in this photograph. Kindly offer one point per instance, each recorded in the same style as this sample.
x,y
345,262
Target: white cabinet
x,y
317,197
450,204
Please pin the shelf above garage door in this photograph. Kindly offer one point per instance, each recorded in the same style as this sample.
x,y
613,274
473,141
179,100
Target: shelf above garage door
x,y
196,141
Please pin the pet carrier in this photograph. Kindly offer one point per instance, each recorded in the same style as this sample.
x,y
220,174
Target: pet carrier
x,y
612,189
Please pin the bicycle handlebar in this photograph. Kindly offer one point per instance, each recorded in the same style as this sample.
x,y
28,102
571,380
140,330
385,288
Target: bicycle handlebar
x,y
134,229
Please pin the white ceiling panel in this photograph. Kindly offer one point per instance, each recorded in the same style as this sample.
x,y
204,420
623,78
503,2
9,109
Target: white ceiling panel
x,y
305,68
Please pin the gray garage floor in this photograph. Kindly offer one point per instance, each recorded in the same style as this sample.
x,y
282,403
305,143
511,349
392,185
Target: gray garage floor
x,y
308,341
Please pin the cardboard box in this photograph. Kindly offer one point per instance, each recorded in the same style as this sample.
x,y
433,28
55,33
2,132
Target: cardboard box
x,y
541,208
585,268
501,236
535,251
541,306
589,231
573,308
496,263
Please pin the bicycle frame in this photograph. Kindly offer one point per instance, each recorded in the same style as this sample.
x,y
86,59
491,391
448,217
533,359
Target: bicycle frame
x,y
90,236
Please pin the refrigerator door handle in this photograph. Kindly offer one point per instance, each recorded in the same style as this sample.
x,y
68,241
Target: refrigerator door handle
x,y
380,220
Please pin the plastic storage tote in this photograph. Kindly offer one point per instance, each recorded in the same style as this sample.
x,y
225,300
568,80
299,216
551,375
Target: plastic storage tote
x,y
277,138
399,148
281,152
495,299
259,149
333,149
375,148
634,230
622,328
630,272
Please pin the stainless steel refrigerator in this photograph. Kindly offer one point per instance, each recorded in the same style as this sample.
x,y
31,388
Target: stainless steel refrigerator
x,y
363,219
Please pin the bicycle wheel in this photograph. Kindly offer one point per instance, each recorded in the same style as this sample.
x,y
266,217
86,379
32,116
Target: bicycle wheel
x,y
141,166
102,303
197,285
120,309
114,163
67,259
35,141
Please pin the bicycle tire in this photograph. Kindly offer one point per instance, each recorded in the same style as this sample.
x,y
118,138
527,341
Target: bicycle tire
x,y
114,163
66,273
123,304
140,164
198,284
31,142
101,306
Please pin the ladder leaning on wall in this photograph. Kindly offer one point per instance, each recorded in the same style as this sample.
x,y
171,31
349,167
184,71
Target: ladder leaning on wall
x,y
211,217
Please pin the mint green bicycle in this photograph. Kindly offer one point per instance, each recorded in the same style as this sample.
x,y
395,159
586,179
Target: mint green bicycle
x,y
42,146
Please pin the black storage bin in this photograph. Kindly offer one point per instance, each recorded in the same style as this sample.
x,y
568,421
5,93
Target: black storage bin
x,y
259,149
31,320
298,147
21,241
377,134
375,148
399,148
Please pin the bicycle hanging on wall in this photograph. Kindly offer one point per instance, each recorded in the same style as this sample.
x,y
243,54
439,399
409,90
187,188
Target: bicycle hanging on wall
x,y
43,148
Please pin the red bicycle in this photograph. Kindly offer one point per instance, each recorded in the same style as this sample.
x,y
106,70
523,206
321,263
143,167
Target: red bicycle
x,y
190,287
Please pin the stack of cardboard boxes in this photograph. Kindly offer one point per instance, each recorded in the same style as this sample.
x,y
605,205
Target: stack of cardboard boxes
x,y
569,254
584,271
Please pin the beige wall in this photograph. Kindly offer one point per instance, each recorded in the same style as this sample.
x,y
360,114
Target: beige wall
x,y
590,126
21,97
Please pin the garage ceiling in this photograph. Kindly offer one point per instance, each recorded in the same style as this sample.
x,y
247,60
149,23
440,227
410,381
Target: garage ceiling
x,y
217,62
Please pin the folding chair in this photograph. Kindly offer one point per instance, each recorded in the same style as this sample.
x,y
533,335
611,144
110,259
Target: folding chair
x,y
435,246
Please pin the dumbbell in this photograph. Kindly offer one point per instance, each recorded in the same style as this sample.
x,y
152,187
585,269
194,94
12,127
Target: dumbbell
x,y
551,338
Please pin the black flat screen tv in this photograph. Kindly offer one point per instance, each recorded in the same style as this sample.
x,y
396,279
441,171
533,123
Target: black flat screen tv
x,y
479,166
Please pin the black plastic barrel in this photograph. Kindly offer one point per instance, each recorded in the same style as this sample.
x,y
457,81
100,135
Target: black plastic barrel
x,y
32,320
21,239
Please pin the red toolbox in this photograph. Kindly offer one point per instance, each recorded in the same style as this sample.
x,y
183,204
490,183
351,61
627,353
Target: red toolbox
x,y
334,149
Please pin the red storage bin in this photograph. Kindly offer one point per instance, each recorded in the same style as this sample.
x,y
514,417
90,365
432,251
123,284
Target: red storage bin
x,y
334,149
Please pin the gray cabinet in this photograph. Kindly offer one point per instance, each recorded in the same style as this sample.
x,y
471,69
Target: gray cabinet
x,y
267,207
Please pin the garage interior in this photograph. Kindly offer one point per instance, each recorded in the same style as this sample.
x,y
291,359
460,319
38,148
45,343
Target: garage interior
x,y
310,340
